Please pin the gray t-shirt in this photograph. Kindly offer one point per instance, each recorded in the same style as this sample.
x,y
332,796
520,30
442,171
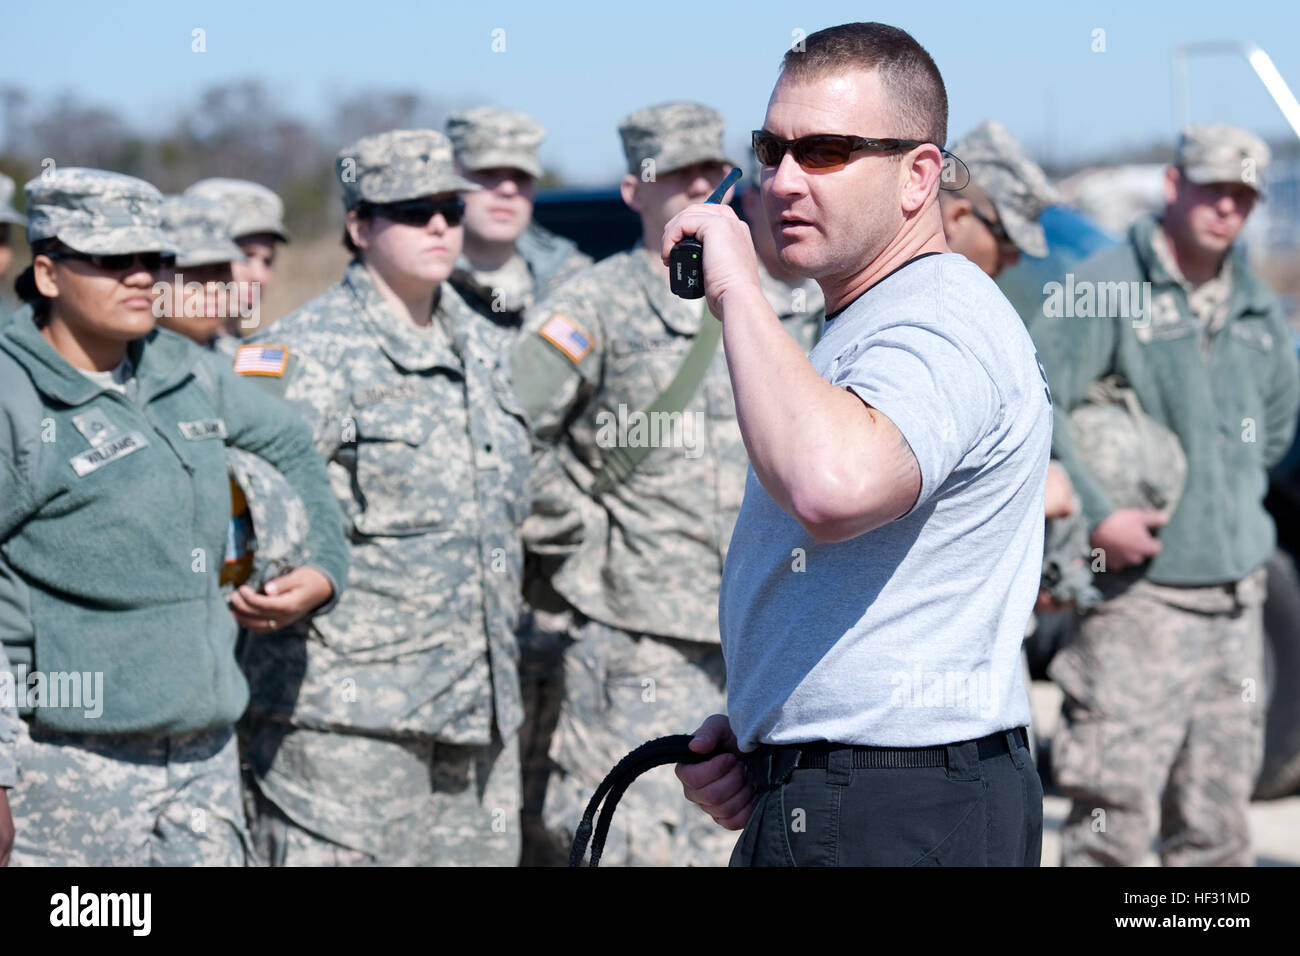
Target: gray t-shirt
x,y
908,635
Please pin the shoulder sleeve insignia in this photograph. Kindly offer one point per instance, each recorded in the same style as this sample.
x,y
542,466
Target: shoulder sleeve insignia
x,y
261,360
567,336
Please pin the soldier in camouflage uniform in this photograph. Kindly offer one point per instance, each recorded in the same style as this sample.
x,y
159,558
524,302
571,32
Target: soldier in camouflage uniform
x,y
257,225
1161,729
110,432
387,733
199,230
9,216
508,261
993,217
639,562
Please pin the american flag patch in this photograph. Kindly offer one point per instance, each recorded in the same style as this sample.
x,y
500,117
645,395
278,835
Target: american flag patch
x,y
261,360
566,335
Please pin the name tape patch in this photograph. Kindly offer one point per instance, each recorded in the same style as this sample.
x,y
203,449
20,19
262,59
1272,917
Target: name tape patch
x,y
567,336
381,393
95,458
204,428
261,360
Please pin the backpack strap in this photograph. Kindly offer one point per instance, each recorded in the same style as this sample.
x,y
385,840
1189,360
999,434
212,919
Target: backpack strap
x,y
622,461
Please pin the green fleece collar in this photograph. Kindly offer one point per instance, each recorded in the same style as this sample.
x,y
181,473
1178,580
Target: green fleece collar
x,y
161,359
1249,294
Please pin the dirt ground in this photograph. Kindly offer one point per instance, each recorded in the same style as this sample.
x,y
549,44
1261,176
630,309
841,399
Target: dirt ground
x,y
1275,824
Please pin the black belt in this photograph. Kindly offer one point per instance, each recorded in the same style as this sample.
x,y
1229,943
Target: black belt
x,y
770,763
816,755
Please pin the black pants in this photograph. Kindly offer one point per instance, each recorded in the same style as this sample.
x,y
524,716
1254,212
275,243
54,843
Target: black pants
x,y
983,806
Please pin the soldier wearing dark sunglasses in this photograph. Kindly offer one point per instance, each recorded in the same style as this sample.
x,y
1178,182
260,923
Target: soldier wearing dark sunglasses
x,y
407,711
994,218
134,425
911,444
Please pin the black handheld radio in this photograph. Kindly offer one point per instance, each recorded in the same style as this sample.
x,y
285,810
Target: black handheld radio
x,y
686,261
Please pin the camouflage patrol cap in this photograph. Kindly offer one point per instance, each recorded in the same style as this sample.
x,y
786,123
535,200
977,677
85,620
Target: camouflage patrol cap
x,y
279,518
7,211
1139,462
253,209
1219,153
1014,183
95,211
199,231
673,135
400,164
487,137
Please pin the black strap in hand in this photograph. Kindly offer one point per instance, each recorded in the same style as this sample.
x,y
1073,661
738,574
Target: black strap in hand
x,y
671,749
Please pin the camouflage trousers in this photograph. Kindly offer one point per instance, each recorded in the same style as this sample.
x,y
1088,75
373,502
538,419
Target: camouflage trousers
x,y
335,799
1162,727
607,692
116,800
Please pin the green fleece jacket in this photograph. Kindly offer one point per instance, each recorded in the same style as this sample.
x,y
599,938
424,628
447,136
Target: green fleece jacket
x,y
1230,397
115,536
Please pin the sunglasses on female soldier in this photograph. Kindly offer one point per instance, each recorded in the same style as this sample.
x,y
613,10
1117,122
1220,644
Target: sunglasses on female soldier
x,y
418,212
119,262
823,151
994,226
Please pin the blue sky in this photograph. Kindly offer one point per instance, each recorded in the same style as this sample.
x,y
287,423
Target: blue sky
x,y
579,67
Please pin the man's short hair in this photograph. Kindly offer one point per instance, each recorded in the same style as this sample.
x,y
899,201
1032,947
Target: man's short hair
x,y
907,73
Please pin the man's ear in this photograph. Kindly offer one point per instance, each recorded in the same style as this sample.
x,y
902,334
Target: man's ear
x,y
921,170
1173,179
358,229
47,281
953,211
630,190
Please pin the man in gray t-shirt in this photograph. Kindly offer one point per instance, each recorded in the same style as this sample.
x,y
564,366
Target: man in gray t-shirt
x,y
888,550
908,635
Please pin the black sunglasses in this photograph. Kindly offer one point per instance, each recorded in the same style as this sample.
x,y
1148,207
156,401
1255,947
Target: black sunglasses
x,y
995,227
119,262
821,150
418,212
